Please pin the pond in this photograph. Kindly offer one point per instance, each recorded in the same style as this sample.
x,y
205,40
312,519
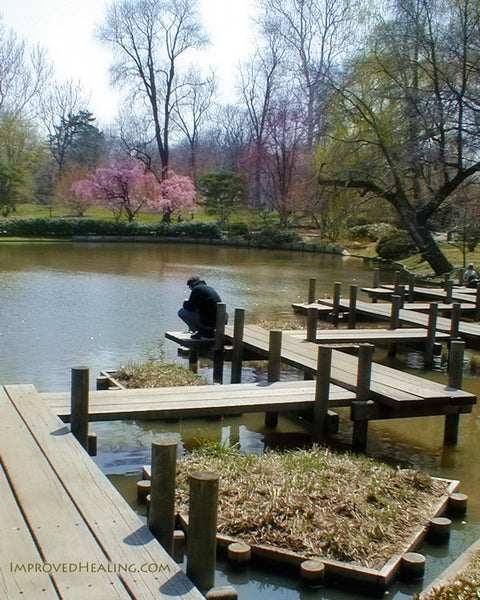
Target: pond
x,y
105,304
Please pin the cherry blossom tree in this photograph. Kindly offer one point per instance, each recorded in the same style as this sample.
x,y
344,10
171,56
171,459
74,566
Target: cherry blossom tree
x,y
178,195
127,188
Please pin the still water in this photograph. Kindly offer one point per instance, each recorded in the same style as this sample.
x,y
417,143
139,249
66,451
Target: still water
x,y
102,305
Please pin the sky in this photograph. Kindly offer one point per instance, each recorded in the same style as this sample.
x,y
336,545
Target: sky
x,y
66,29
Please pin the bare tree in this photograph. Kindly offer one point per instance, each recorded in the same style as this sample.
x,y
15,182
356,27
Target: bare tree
x,y
313,34
60,102
259,83
193,102
23,73
149,37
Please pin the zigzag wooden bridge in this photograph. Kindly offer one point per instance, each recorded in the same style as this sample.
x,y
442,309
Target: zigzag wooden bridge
x,y
380,392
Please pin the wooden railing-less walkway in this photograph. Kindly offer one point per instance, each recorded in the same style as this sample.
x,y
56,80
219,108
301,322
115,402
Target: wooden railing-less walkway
x,y
65,531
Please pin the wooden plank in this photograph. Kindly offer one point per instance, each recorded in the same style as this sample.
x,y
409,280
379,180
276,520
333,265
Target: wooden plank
x,y
123,536
370,335
198,401
17,551
58,529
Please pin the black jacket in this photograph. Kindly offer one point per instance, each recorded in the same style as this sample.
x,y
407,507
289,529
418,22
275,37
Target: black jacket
x,y
204,299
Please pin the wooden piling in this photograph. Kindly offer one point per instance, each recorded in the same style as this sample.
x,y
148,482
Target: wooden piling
x,y
312,322
476,314
411,287
237,351
394,316
401,293
202,529
352,308
396,282
455,320
448,290
360,426
431,331
193,360
274,366
455,376
376,277
322,391
218,350
337,290
161,515
79,404
312,294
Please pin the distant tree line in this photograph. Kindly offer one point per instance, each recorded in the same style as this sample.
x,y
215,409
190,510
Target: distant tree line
x,y
341,105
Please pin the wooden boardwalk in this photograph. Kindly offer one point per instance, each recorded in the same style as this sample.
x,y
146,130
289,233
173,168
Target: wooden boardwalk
x,y
404,335
402,392
198,401
65,531
459,294
383,310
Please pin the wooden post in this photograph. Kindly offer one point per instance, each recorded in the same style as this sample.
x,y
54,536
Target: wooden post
x,y
364,374
476,314
396,282
161,514
337,288
312,321
352,310
193,360
411,287
455,320
237,351
322,392
431,332
219,343
312,294
448,290
401,293
455,376
79,404
202,529
376,277
274,365
394,317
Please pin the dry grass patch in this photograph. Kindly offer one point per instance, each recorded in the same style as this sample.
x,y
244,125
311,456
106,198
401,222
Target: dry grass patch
x,y
315,503
155,374
466,586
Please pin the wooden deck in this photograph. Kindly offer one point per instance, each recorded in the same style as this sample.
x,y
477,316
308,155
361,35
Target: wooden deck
x,y
371,335
383,310
65,531
397,390
459,294
198,401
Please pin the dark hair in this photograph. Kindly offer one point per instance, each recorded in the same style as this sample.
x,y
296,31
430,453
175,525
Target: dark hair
x,y
194,280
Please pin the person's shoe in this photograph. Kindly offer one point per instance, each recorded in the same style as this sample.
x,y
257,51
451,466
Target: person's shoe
x,y
203,334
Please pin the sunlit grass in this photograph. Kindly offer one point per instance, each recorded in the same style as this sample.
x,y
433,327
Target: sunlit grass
x,y
316,503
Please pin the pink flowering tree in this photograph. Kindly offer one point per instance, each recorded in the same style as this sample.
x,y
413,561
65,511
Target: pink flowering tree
x,y
126,188
178,195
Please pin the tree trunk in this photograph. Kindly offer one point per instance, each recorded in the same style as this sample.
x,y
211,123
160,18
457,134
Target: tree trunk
x,y
422,236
